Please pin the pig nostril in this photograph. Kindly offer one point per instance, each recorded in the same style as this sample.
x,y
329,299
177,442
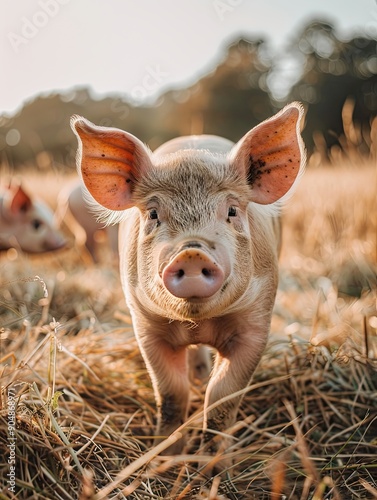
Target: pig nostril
x,y
180,273
206,272
193,244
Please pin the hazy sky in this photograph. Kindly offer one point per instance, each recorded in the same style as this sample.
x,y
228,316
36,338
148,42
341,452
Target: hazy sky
x,y
141,47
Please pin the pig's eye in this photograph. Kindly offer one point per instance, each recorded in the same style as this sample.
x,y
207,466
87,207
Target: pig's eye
x,y
232,211
36,224
153,215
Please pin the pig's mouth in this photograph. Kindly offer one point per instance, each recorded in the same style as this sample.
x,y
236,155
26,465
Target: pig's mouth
x,y
197,300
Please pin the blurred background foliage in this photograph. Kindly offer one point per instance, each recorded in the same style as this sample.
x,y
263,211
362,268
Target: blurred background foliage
x,y
335,79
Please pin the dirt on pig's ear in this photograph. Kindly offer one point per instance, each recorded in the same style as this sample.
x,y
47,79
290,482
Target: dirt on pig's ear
x,y
110,162
272,155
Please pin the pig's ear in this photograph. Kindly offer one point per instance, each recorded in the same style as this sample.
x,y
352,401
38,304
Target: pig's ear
x,y
110,161
18,201
272,155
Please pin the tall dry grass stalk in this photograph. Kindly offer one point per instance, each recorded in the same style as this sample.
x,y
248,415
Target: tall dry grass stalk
x,y
84,407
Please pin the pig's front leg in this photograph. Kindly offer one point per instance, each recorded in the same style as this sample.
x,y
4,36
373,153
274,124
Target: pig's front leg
x,y
236,361
168,368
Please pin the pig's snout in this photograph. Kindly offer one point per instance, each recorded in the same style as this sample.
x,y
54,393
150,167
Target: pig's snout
x,y
193,274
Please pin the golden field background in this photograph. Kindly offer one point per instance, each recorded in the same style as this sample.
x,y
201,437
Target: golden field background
x,y
308,424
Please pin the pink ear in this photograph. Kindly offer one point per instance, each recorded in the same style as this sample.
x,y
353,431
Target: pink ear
x,y
272,154
111,161
20,202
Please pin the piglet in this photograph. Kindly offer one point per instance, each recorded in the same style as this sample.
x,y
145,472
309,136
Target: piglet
x,y
26,223
83,223
199,239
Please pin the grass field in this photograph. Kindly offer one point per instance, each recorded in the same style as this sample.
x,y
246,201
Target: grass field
x,y
84,406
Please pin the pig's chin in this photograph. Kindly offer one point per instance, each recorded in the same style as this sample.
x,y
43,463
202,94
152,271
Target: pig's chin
x,y
193,308
187,308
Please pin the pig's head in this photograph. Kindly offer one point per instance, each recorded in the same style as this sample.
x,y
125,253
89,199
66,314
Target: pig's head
x,y
196,233
27,223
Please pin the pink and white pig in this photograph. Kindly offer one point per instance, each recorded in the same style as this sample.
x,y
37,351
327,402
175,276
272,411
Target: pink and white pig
x,y
82,222
26,223
199,238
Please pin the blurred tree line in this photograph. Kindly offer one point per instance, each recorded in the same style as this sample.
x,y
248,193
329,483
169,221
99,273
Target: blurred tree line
x,y
335,79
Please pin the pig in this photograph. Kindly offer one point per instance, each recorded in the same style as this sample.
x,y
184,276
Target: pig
x,y
73,209
26,223
199,239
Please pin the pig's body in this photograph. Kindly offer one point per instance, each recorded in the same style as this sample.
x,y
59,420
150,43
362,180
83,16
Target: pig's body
x,y
82,222
26,223
235,322
198,251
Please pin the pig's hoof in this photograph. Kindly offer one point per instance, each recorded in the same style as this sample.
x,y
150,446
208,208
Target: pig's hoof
x,y
218,465
219,461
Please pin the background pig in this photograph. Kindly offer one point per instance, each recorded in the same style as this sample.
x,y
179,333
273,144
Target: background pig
x,y
82,222
26,223
198,250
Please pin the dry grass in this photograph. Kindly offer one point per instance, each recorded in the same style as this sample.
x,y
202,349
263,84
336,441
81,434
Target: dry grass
x,y
308,423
